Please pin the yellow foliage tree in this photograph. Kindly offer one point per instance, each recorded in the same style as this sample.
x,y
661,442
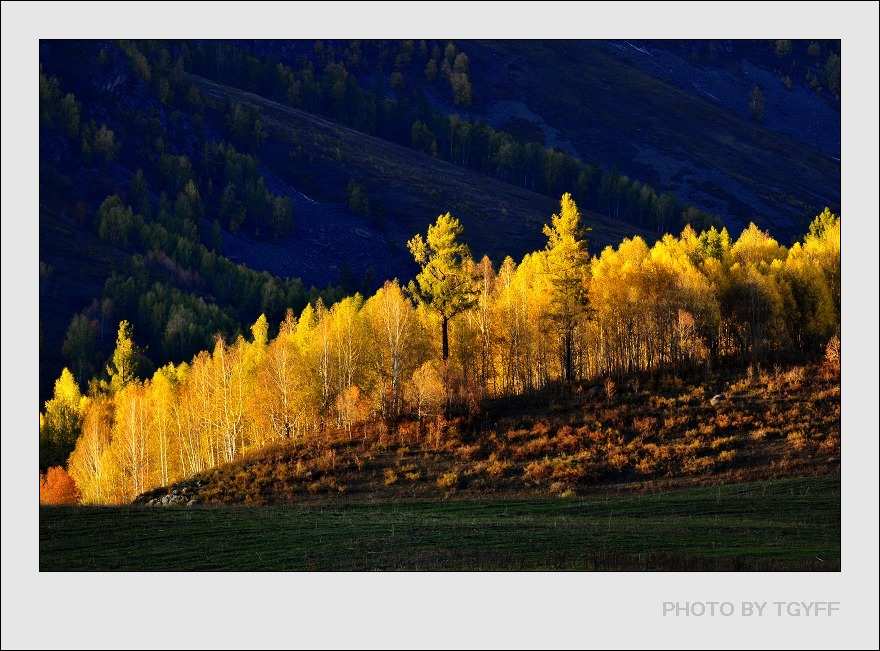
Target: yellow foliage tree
x,y
61,421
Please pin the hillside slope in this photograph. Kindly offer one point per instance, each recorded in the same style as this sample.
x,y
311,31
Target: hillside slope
x,y
321,157
660,435
669,124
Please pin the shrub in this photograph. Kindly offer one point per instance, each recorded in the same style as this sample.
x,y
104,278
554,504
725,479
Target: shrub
x,y
722,442
646,466
610,389
696,465
645,425
57,487
467,452
497,467
706,430
798,440
830,445
831,364
567,440
537,472
795,376
449,481
618,461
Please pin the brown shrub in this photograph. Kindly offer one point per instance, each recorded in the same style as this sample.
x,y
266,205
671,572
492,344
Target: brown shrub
x,y
645,425
646,466
831,445
831,364
567,439
727,456
723,442
697,465
798,440
467,452
536,447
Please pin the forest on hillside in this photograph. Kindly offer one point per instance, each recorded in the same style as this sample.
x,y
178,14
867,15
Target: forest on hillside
x,y
131,152
463,331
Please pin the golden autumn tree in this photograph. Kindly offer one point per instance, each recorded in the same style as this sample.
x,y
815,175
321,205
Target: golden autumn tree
x,y
124,363
161,397
61,421
532,304
90,464
348,342
425,391
752,299
396,337
822,246
620,300
509,327
567,264
443,284
280,384
130,443
227,411
485,277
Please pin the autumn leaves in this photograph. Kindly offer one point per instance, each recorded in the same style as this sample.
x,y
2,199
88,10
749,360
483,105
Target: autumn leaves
x,y
362,365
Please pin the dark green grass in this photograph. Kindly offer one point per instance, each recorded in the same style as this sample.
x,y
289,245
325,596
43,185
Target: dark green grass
x,y
780,525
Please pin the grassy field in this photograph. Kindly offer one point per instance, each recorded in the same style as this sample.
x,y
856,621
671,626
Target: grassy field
x,y
791,524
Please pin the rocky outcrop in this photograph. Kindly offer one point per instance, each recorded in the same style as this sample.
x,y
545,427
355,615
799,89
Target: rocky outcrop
x,y
183,493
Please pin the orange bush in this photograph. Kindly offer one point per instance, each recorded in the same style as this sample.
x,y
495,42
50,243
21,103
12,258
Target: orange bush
x,y
57,487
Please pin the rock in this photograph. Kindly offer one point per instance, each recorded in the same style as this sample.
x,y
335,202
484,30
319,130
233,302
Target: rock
x,y
175,492
166,500
193,502
717,398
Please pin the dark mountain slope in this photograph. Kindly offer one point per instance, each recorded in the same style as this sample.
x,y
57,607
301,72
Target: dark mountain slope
x,y
320,157
682,139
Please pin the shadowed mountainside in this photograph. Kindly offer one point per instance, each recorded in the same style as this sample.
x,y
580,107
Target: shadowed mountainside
x,y
665,121
499,219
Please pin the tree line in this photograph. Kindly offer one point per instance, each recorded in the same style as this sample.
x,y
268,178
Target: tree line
x,y
376,88
176,284
461,332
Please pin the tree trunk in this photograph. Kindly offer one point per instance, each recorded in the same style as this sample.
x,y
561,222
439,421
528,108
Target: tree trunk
x,y
569,361
445,326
